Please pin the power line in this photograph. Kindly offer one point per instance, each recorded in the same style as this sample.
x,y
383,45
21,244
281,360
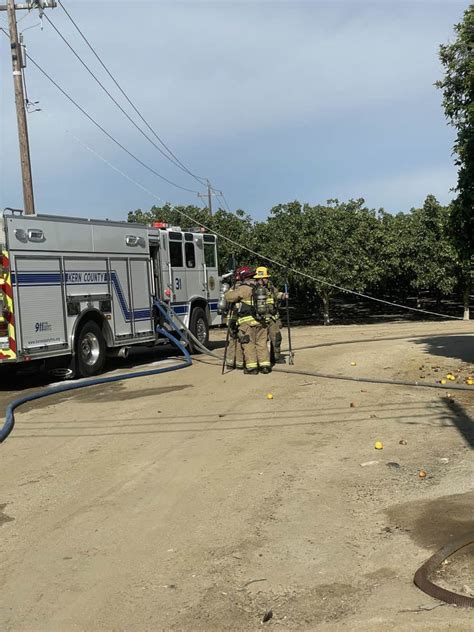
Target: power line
x,y
104,131
221,201
112,166
124,112
225,202
228,239
176,160
258,254
218,193
99,126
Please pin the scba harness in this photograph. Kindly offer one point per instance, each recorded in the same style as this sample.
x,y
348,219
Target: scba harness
x,y
258,307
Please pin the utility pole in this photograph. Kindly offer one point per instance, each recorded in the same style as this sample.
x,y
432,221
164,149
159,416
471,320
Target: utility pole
x,y
18,63
209,194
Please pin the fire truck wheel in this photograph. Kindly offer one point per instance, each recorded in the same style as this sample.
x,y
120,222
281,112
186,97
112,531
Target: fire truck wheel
x,y
90,350
199,327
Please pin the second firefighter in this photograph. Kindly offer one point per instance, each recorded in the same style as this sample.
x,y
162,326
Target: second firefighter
x,y
272,316
251,322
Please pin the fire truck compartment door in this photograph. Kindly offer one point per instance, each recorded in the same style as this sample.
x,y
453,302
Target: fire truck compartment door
x,y
141,296
40,302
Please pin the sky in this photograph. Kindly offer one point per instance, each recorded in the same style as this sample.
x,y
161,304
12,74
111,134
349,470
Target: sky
x,y
271,100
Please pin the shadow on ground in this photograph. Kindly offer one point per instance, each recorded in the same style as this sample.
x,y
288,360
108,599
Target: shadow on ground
x,y
31,377
463,421
353,310
315,421
432,523
453,347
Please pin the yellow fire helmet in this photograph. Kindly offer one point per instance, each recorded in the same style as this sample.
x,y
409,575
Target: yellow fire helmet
x,y
261,273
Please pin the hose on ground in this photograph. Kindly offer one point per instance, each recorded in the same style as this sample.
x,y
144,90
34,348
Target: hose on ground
x,y
422,575
189,334
373,380
9,422
328,376
349,378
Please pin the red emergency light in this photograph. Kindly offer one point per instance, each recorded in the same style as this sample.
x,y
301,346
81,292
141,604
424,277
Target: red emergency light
x,y
159,225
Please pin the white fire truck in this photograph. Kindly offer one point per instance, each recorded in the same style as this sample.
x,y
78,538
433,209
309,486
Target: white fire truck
x,y
85,288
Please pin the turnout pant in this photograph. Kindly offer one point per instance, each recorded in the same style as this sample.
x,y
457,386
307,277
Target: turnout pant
x,y
274,334
255,347
235,356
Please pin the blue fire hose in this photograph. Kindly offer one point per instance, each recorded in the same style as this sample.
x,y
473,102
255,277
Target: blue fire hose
x,y
9,422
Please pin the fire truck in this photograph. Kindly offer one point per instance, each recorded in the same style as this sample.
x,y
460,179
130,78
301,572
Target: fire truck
x,y
76,290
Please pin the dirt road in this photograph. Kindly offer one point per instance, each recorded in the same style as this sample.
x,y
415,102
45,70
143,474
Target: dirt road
x,y
190,501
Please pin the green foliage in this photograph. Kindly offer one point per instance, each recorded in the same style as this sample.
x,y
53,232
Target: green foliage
x,y
433,263
237,226
172,215
342,244
336,243
458,102
347,245
418,252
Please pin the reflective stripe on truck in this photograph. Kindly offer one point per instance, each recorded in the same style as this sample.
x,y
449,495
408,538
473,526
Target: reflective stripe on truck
x,y
7,317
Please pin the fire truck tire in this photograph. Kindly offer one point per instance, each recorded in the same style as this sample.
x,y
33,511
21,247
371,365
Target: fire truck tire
x,y
199,327
90,350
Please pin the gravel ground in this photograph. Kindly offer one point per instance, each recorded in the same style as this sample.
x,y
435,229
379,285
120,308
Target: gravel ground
x,y
190,501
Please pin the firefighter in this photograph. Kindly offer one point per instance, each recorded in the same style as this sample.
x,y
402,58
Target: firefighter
x,y
252,329
272,317
234,355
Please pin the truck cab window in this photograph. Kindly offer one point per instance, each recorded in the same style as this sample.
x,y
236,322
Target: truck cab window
x,y
176,254
210,255
190,255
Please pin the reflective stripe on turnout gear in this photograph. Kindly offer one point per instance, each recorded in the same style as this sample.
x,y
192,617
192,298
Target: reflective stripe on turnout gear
x,y
273,296
246,313
243,295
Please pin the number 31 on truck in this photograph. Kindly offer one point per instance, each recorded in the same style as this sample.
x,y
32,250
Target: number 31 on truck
x,y
76,290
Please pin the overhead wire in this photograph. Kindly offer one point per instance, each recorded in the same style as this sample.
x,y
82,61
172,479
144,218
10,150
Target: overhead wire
x,y
104,131
225,202
224,237
99,126
316,279
112,166
220,200
273,261
30,105
113,99
174,159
